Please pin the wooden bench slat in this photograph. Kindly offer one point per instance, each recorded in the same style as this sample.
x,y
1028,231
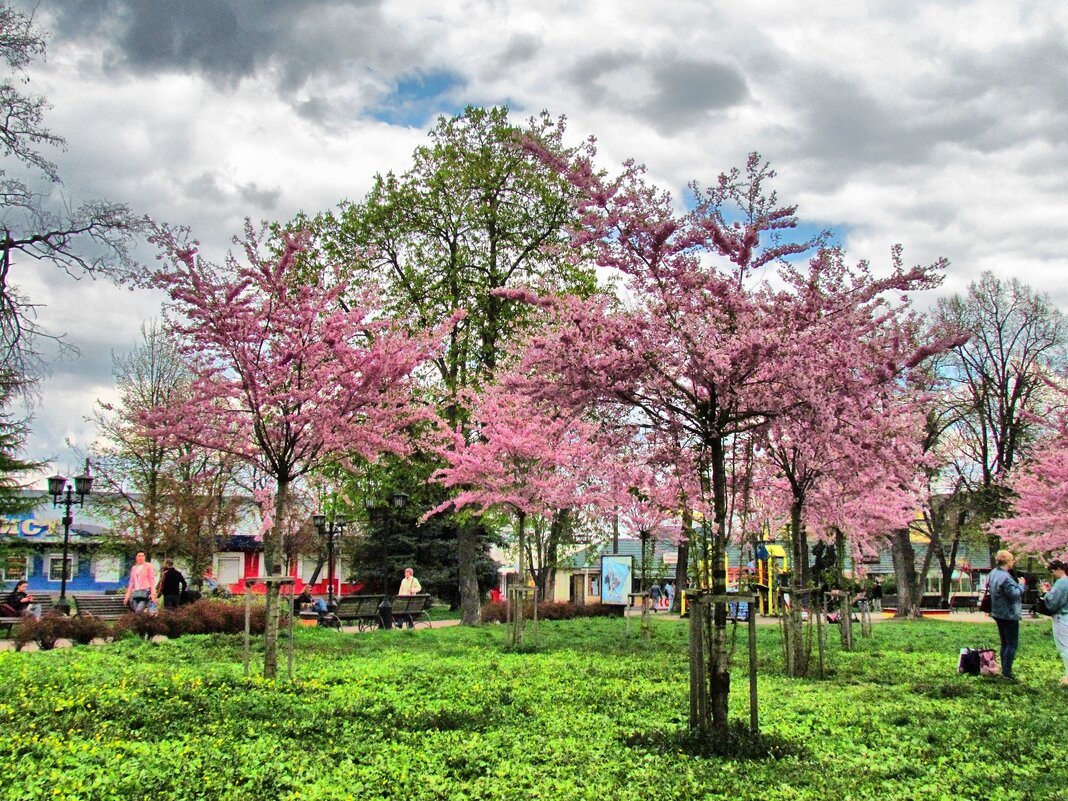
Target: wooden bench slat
x,y
105,607
414,605
360,609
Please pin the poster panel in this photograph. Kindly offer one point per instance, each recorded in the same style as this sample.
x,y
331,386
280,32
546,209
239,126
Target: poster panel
x,y
616,574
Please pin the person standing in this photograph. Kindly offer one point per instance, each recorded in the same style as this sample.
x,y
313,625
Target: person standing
x,y
669,590
1005,607
877,596
654,595
409,586
171,585
1057,603
142,587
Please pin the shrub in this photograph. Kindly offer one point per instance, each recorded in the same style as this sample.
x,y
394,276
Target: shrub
x,y
497,612
201,617
83,629
139,623
44,632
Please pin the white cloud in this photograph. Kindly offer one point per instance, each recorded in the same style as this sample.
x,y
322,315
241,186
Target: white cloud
x,y
940,125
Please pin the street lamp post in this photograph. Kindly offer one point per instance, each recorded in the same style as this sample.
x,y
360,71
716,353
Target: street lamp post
x,y
63,495
397,501
335,526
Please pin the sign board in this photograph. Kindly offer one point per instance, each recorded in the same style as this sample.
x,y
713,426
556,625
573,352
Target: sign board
x,y
616,578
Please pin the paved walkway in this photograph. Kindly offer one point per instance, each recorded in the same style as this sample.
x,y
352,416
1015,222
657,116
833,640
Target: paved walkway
x,y
762,620
438,624
956,617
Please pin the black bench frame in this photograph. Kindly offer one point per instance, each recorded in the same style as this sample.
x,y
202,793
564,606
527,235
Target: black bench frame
x,y
361,610
964,602
414,605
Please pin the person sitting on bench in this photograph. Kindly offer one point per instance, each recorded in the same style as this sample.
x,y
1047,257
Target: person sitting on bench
x,y
21,602
306,601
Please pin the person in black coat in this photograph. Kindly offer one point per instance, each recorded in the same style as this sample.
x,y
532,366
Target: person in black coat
x,y
19,599
171,585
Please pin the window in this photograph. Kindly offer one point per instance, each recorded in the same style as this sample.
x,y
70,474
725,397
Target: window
x,y
307,568
55,568
13,568
107,568
229,568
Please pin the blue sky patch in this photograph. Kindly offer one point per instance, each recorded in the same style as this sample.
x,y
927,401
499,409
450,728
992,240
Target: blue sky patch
x,y
418,98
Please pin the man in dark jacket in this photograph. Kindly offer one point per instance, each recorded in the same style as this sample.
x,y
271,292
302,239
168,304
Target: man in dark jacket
x,y
172,585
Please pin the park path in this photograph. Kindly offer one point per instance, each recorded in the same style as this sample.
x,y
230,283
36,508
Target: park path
x,y
957,617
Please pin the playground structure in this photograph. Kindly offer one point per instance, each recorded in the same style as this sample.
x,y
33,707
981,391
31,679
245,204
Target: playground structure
x,y
761,577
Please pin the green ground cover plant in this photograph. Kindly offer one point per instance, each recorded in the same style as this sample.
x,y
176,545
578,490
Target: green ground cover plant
x,y
588,713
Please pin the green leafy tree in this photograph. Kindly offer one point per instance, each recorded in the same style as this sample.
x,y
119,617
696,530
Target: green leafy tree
x,y
395,539
474,216
13,501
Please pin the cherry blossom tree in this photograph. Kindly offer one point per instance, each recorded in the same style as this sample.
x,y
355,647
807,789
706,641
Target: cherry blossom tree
x,y
1039,495
285,377
702,351
529,458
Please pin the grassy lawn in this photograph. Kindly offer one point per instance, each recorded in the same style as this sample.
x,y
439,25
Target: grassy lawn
x,y
591,714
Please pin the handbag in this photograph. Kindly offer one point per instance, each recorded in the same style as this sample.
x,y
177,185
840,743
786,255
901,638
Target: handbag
x,y
1042,608
984,602
978,661
988,662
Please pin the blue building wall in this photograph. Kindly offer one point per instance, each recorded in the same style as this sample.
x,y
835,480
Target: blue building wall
x,y
38,536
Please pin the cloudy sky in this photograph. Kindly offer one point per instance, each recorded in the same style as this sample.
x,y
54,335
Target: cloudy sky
x,y
937,124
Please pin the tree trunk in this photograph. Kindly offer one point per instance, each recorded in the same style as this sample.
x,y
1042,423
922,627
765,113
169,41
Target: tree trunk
x,y
319,564
518,614
719,665
797,650
558,533
904,556
272,553
468,544
647,631
682,567
839,550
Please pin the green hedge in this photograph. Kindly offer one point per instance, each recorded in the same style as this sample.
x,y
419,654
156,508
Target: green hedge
x,y
497,612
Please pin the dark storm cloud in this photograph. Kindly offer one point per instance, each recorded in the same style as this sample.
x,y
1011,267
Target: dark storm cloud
x,y
844,123
520,48
588,74
681,90
265,199
206,188
227,40
687,89
1022,85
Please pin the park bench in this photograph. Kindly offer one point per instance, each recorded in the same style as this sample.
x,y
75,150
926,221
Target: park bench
x,y
414,605
359,609
47,600
105,607
963,603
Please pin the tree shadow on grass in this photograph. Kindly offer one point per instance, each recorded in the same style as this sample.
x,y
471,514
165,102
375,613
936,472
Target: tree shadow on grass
x,y
740,743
